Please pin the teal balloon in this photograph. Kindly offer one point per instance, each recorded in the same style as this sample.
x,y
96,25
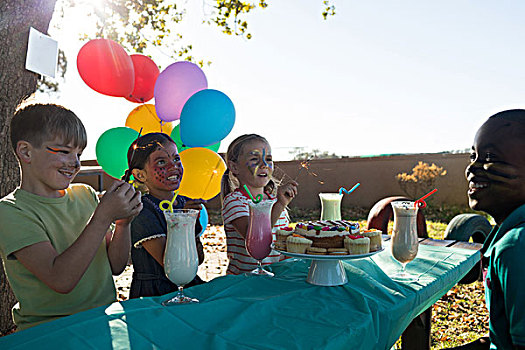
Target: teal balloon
x,y
206,118
175,135
203,219
112,150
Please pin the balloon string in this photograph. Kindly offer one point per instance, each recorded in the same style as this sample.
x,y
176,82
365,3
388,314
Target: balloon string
x,y
421,202
257,198
342,189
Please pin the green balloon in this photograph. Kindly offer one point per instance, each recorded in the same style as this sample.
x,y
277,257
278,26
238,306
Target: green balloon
x,y
112,150
175,135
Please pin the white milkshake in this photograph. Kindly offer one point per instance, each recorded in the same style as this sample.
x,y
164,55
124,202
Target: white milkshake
x,y
330,206
181,260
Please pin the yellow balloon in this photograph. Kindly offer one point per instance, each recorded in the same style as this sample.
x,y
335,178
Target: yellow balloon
x,y
203,170
145,117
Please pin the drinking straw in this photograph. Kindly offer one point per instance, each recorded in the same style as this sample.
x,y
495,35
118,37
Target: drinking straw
x,y
420,202
166,205
342,189
257,198
128,173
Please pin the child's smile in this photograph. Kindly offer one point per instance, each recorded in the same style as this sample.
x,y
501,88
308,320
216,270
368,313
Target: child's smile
x,y
164,169
496,173
52,168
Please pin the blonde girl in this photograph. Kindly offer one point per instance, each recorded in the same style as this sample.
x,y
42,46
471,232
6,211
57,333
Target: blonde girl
x,y
250,164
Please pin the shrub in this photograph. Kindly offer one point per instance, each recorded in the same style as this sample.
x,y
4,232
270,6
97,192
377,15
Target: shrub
x,y
421,181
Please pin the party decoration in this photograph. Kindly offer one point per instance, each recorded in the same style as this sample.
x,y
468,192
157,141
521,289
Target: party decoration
x,y
342,189
112,149
207,117
174,86
145,117
166,205
106,68
175,135
203,170
146,73
203,219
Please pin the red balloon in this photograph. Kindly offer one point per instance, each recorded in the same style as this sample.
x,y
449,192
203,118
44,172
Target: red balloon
x,y
146,73
106,67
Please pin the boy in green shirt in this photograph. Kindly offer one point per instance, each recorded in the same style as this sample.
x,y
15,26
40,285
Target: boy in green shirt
x,y
55,239
496,177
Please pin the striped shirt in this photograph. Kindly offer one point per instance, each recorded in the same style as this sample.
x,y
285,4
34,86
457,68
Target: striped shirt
x,y
235,206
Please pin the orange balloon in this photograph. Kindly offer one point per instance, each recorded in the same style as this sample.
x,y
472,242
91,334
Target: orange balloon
x,y
145,117
203,170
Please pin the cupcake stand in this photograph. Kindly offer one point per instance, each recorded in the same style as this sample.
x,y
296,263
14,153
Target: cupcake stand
x,y
327,270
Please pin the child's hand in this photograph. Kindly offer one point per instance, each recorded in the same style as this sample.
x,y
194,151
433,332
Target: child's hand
x,y
286,192
120,202
194,204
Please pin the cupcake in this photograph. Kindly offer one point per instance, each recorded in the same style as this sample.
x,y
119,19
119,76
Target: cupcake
x,y
281,236
357,244
297,244
375,238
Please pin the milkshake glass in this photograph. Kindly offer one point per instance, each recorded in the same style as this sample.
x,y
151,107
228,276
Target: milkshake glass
x,y
405,241
331,206
181,260
259,235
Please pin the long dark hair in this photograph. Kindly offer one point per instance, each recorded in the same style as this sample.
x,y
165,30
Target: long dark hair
x,y
229,181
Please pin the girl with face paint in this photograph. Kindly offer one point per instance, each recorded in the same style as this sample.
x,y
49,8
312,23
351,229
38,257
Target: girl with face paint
x,y
155,164
250,164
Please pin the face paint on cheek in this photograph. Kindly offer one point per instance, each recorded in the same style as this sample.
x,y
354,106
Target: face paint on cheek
x,y
159,174
264,157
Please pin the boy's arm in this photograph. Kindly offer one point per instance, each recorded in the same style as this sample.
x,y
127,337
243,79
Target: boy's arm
x,y
119,247
62,272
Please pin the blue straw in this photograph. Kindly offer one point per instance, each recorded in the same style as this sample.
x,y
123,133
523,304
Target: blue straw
x,y
342,189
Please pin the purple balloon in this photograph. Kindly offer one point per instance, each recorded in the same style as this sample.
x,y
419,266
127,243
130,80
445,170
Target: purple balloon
x,y
174,86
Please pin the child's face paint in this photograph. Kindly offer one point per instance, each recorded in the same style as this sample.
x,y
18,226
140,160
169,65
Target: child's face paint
x,y
496,173
255,164
164,169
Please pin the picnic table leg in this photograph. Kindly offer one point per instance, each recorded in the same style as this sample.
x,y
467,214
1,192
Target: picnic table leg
x,y
417,334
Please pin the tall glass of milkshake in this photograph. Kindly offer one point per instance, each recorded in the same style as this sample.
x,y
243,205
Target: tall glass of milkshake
x,y
259,235
404,236
331,206
181,260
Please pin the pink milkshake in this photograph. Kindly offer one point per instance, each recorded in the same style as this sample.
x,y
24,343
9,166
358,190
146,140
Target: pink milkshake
x,y
259,235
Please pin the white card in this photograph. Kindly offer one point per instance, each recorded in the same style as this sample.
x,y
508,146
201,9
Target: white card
x,y
42,53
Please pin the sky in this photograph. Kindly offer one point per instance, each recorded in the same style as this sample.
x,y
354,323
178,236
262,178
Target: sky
x,y
379,77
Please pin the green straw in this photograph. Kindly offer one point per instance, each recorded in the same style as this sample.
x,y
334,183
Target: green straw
x,y
257,198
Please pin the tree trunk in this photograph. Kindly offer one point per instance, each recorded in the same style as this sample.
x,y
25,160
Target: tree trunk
x,y
16,84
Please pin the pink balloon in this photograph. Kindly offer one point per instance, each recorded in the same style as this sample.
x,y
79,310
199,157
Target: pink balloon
x,y
106,67
174,87
146,73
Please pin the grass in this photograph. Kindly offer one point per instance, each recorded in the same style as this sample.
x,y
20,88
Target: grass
x,y
460,315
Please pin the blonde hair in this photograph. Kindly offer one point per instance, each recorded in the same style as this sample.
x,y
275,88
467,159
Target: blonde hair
x,y
229,182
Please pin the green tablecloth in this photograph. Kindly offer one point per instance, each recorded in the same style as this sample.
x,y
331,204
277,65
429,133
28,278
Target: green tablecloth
x,y
284,312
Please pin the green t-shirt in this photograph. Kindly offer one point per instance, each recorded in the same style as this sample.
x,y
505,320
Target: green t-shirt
x,y
505,281
28,219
